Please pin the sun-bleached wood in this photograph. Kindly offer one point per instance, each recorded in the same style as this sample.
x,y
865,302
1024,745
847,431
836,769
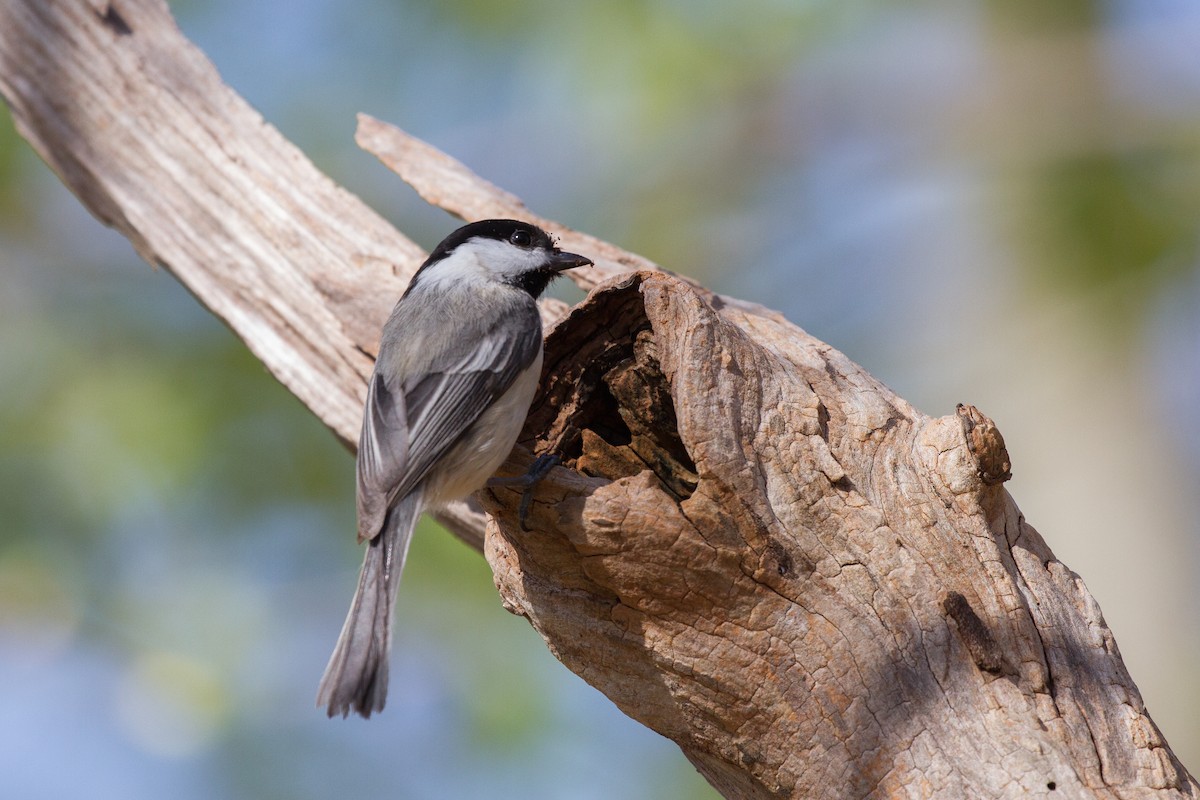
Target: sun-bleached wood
x,y
755,548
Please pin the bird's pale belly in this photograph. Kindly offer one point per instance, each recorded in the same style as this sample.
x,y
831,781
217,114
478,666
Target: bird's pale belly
x,y
481,451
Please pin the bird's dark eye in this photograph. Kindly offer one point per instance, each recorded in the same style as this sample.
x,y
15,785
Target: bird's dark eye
x,y
521,238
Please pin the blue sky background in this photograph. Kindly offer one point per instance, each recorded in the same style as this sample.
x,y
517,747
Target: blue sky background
x,y
986,202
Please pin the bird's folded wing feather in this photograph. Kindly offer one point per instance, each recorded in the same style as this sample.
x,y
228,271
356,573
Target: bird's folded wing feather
x,y
407,428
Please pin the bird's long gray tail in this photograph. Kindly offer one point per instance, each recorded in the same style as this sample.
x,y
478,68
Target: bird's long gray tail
x,y
357,675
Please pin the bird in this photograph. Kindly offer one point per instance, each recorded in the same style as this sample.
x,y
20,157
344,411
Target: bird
x,y
459,362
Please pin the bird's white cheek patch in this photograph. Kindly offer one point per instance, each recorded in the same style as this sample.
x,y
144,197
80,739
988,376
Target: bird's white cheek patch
x,y
484,258
460,266
504,259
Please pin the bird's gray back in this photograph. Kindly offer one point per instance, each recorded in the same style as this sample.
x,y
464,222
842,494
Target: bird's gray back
x,y
414,339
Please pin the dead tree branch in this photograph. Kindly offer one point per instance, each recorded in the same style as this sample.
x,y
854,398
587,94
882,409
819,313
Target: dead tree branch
x,y
756,549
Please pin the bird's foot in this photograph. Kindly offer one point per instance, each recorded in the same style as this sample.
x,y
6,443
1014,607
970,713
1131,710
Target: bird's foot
x,y
538,470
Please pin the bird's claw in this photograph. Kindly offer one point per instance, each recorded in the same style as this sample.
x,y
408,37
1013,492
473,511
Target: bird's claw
x,y
537,471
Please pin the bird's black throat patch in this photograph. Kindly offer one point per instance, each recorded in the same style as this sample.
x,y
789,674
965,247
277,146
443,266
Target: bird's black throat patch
x,y
534,282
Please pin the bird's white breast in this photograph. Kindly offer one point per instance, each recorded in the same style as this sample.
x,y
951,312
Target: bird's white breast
x,y
485,445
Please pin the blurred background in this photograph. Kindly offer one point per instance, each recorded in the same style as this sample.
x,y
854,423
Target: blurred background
x,y
986,202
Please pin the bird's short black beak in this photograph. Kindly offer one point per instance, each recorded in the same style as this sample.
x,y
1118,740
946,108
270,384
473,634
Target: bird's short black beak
x,y
560,261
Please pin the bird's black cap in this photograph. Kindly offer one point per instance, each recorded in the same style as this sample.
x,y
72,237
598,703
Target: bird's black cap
x,y
500,229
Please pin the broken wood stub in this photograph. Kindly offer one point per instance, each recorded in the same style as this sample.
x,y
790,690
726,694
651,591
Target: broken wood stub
x,y
986,444
760,552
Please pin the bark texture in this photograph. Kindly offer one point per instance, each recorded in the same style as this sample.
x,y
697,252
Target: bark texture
x,y
753,547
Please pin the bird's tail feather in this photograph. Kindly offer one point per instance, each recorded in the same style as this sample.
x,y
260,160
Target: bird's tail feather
x,y
357,675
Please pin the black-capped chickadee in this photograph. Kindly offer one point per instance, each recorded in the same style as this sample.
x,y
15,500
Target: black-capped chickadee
x,y
458,365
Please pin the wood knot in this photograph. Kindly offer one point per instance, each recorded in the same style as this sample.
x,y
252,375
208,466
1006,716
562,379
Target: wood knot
x,y
980,643
113,20
986,445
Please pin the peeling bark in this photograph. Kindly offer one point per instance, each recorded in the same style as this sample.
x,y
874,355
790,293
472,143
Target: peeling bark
x,y
753,546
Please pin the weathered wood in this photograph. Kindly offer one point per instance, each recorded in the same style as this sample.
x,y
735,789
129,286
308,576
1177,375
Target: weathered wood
x,y
754,547
829,594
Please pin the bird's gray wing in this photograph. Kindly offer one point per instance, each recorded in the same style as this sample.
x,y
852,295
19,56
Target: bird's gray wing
x,y
407,428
